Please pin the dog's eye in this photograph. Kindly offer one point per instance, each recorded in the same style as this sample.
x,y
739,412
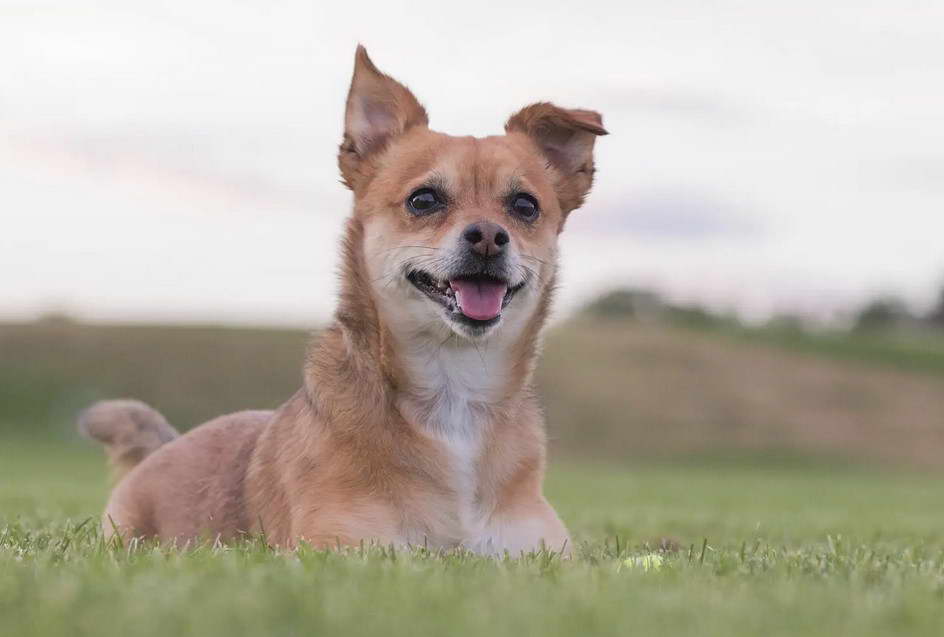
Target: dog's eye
x,y
524,206
424,201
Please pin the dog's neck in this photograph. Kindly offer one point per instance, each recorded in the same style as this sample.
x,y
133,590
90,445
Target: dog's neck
x,y
452,388
449,387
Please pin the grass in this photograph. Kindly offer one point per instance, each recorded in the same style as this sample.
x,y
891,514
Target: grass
x,y
789,548
906,349
612,389
787,515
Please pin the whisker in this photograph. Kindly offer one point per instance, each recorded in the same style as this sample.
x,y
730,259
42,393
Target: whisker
x,y
530,273
533,258
426,261
479,352
385,275
404,247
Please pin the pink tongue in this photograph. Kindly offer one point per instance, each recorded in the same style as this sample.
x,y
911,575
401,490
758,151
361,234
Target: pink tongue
x,y
479,300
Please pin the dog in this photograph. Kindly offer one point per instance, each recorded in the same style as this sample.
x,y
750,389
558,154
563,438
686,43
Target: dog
x,y
417,423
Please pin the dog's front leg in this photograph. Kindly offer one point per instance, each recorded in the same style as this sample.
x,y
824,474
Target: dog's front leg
x,y
523,530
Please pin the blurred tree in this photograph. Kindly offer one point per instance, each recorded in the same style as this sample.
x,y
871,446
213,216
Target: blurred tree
x,y
627,303
882,313
936,317
694,316
786,323
56,317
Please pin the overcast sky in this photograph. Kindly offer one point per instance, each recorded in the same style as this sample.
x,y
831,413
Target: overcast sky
x,y
176,161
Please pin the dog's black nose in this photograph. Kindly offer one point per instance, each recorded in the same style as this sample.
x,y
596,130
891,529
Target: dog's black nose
x,y
486,238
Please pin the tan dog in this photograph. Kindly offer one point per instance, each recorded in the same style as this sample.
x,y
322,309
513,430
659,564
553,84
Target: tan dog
x,y
417,423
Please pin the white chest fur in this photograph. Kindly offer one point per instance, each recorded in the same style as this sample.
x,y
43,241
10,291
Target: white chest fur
x,y
452,395
452,389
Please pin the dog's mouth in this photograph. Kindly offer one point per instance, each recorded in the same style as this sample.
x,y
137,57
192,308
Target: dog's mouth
x,y
474,299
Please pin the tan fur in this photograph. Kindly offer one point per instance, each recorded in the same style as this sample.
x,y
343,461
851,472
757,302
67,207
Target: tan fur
x,y
407,430
129,429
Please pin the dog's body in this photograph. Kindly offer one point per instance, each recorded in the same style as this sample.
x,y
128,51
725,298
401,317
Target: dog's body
x,y
416,423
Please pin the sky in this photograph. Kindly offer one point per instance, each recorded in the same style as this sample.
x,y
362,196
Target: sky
x,y
175,161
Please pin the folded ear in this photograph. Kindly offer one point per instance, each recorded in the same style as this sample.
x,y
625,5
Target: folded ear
x,y
565,137
378,109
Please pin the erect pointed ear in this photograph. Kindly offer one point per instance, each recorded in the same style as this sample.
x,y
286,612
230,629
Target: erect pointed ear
x,y
378,109
565,137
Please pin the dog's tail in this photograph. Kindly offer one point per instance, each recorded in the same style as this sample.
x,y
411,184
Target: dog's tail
x,y
129,429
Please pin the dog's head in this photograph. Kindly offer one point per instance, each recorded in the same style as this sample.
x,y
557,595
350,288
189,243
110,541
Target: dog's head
x,y
460,233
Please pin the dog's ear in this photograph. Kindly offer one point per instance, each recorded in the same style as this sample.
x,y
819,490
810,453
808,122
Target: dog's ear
x,y
378,109
565,137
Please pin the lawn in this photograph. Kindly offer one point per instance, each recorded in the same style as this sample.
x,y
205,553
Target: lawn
x,y
766,548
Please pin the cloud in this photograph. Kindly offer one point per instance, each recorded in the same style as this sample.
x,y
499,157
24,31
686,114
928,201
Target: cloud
x,y
676,214
679,104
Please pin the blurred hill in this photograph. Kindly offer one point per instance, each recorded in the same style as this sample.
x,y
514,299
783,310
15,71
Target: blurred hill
x,y
614,387
619,387
52,368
